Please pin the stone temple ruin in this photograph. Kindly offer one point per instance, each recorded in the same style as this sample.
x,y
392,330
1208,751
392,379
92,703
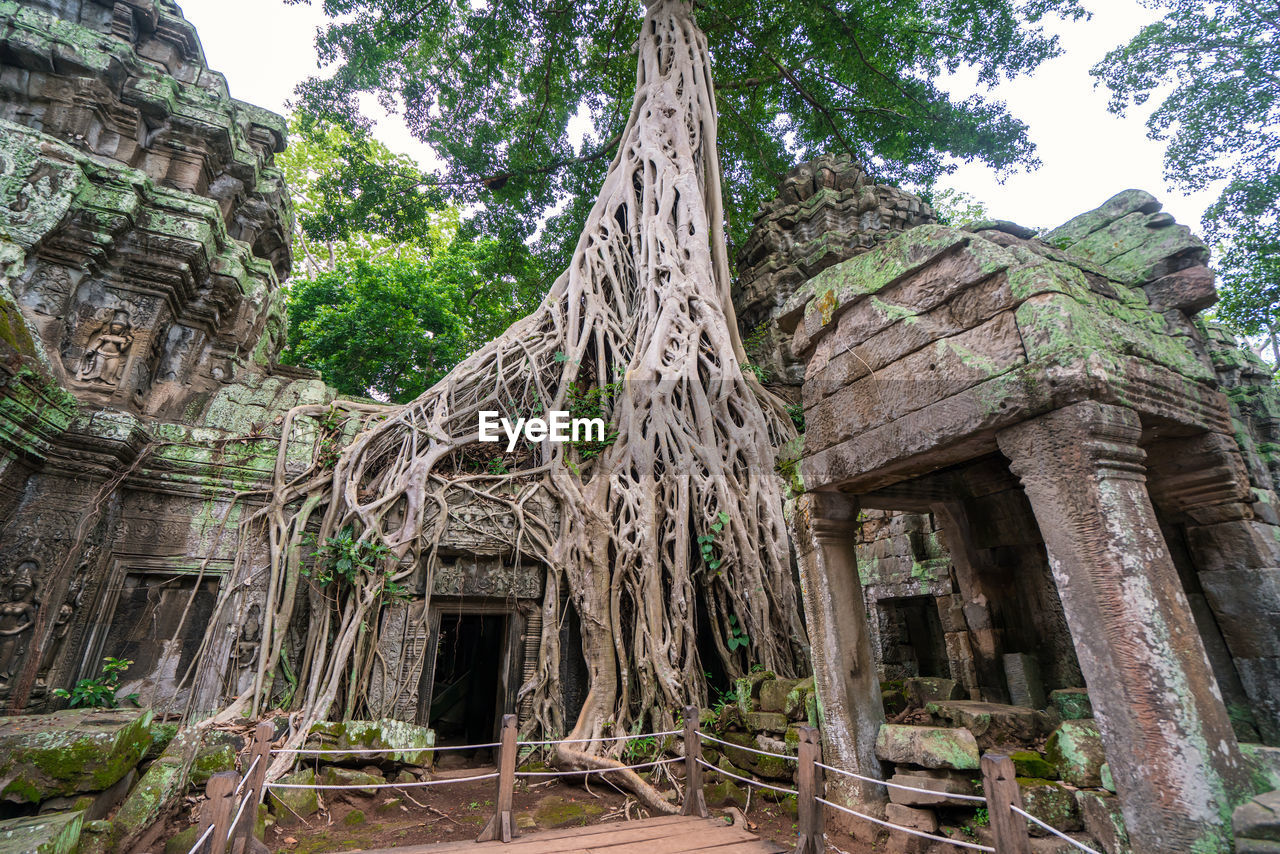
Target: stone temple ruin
x,y
144,233
1036,496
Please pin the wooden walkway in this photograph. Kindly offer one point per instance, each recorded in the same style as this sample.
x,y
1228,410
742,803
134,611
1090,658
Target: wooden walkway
x,y
665,835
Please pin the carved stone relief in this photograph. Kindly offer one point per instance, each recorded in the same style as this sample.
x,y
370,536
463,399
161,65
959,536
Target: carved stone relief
x,y
17,620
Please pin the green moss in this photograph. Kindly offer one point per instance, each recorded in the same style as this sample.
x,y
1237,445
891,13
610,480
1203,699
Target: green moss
x,y
355,817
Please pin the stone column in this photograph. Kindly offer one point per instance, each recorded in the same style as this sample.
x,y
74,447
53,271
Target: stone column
x,y
844,671
1173,754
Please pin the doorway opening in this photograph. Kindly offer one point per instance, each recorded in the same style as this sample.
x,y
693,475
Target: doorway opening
x,y
470,671
911,635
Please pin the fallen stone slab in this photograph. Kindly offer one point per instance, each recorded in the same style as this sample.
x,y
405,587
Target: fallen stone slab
x,y
53,833
70,752
929,747
992,724
164,782
932,791
1258,819
411,745
1075,749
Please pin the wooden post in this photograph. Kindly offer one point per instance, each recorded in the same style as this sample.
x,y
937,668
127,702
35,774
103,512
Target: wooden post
x,y
503,826
216,810
810,838
256,761
1000,785
695,802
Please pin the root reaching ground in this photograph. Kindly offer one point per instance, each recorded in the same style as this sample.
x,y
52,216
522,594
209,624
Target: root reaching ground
x,y
668,537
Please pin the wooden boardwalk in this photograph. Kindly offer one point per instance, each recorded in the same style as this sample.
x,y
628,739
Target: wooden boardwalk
x,y
665,835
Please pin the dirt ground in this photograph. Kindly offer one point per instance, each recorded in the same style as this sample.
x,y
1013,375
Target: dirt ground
x,y
397,817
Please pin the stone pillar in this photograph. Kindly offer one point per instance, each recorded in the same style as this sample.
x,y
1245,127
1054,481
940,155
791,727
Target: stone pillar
x,y
844,671
1173,754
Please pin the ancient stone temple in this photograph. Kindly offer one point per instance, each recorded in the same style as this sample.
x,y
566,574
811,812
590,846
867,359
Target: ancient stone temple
x,y
1089,470
144,233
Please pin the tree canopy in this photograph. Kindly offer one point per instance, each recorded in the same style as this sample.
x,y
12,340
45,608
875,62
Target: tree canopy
x,y
499,89
1216,66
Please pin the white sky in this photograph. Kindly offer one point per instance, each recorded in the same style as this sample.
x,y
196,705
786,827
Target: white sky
x,y
265,48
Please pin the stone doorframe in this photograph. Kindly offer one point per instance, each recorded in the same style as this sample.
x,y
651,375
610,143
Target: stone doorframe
x,y
511,666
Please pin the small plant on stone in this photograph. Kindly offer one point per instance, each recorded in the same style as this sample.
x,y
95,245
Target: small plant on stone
x,y
100,693
640,749
981,817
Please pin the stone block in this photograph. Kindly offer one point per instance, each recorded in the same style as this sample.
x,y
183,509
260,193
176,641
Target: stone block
x,y
930,747
412,744
1075,749
1052,803
928,785
1028,763
992,724
773,694
210,759
921,690
69,752
1249,623
774,722
1071,703
1103,820
1258,819
1022,673
292,806
1264,765
1234,545
164,782
725,793
556,811
332,775
913,817
54,833
794,707
1108,782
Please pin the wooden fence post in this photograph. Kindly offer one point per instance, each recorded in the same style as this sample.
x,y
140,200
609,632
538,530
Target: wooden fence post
x,y
810,838
1000,785
256,762
216,810
503,826
695,802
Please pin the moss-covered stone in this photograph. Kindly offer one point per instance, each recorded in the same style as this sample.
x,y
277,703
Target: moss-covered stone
x,y
69,752
1028,763
210,760
411,744
929,747
1075,749
336,776
353,818
1072,704
794,707
292,806
95,837
724,793
164,782
555,811
161,734
52,833
181,842
771,722
1264,766
1051,802
774,692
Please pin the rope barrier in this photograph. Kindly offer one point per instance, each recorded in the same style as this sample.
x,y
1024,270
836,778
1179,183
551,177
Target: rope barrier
x,y
417,784
899,828
706,764
204,837
653,764
1029,817
601,738
371,750
254,764
887,784
235,822
706,737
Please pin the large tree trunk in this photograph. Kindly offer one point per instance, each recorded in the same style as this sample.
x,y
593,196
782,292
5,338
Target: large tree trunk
x,y
643,317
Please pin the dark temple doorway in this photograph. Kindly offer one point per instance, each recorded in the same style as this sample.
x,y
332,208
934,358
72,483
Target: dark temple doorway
x,y
469,685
